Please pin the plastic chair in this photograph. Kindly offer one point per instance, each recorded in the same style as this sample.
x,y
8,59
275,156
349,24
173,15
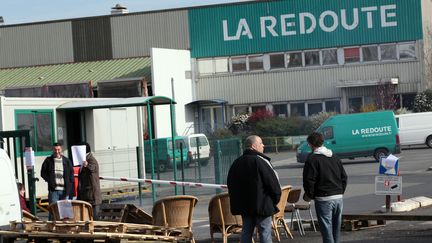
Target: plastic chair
x,y
175,213
81,210
221,219
278,219
293,198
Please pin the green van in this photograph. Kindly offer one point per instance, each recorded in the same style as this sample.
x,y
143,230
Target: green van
x,y
163,154
358,135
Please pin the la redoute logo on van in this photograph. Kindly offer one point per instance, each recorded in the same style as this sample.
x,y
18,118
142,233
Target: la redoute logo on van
x,y
372,131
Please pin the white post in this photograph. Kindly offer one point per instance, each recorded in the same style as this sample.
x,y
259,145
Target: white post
x,y
141,138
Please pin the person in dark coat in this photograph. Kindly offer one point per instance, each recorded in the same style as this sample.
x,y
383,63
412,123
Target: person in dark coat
x,y
57,171
254,190
88,182
325,181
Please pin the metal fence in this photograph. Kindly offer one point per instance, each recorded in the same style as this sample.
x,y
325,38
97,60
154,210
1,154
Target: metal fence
x,y
223,152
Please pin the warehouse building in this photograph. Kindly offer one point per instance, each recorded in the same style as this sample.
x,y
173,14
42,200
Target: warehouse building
x,y
293,57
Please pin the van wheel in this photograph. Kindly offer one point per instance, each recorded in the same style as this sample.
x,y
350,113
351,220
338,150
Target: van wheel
x,y
204,162
380,153
161,166
429,141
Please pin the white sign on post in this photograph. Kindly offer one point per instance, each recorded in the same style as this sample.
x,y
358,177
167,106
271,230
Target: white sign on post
x,y
388,185
78,154
29,157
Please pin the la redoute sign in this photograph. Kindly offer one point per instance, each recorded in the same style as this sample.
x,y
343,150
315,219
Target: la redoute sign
x,y
301,24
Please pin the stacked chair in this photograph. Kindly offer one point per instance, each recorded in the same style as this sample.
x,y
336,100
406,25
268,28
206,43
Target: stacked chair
x,y
221,219
278,220
175,214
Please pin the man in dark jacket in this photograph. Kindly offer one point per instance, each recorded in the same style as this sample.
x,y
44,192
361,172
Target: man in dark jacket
x,y
89,186
57,171
325,181
254,190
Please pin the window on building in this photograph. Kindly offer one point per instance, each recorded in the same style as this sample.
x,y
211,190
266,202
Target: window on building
x,y
205,67
221,65
352,54
333,106
280,110
312,58
297,109
388,52
258,108
241,110
277,61
408,101
397,99
294,59
370,53
41,126
329,57
354,104
407,51
256,62
238,64
314,108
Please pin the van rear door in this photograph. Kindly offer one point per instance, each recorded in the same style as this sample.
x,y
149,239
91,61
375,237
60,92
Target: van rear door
x,y
10,208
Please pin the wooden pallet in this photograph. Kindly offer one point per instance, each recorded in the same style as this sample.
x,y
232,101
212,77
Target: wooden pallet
x,y
127,213
91,230
352,225
362,221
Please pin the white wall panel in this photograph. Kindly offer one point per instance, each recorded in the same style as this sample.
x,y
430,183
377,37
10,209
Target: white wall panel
x,y
170,64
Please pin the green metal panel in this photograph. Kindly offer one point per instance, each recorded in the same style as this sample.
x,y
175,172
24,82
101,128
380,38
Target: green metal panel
x,y
284,25
74,72
225,152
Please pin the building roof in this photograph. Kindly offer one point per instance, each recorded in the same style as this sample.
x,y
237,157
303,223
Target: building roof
x,y
116,102
76,72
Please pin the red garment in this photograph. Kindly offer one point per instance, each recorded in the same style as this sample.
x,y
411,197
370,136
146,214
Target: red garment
x,y
23,204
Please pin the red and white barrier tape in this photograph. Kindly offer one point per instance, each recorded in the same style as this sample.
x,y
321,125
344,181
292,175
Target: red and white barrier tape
x,y
162,182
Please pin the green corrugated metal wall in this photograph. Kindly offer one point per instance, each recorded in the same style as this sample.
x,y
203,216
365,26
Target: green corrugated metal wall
x,y
75,72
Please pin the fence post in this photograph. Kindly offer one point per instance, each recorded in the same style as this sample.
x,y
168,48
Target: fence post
x,y
217,165
182,166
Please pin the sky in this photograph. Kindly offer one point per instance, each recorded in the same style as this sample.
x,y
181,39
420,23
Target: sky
x,y
28,11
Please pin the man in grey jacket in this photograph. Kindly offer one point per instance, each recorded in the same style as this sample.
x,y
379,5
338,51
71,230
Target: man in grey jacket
x,y
324,181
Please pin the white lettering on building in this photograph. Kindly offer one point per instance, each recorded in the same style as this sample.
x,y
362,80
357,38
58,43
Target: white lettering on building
x,y
269,27
306,23
355,21
311,18
242,29
385,15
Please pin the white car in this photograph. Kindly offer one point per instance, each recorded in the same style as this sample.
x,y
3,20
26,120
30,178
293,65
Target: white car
x,y
199,142
415,128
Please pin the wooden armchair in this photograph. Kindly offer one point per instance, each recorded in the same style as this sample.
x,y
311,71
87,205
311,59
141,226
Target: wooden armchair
x,y
26,216
175,214
82,211
221,219
278,220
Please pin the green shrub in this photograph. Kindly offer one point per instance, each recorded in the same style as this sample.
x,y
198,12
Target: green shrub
x,y
277,126
319,118
423,101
